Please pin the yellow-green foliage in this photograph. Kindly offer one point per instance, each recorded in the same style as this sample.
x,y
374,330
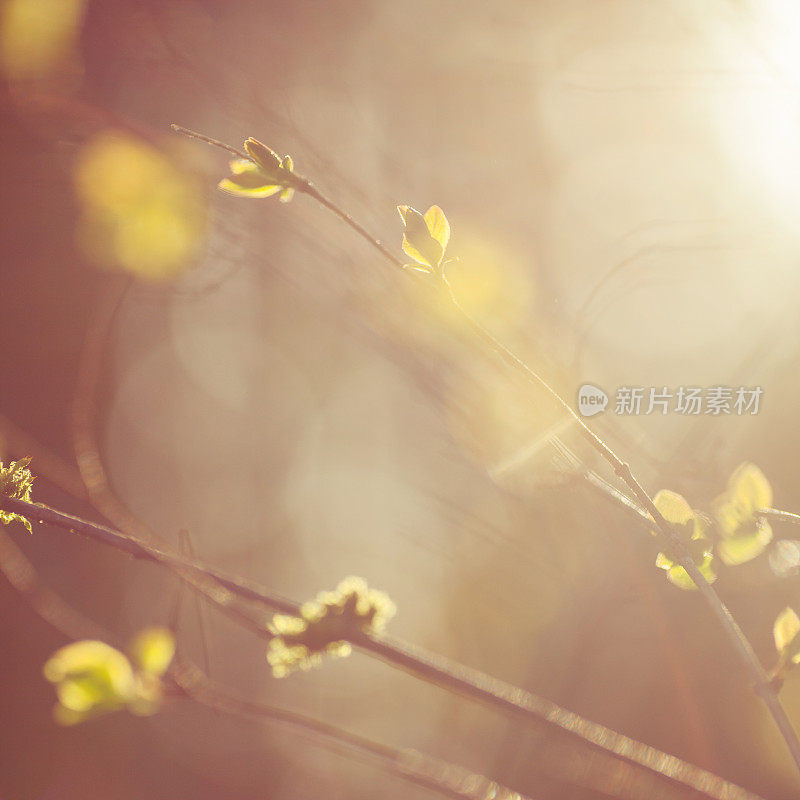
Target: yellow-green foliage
x,y
93,678
425,237
787,642
326,625
261,175
693,530
16,482
743,535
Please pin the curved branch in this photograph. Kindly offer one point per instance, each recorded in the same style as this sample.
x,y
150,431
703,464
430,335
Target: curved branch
x,y
609,747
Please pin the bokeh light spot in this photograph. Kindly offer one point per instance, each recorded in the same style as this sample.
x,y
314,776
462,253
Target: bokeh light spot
x,y
489,280
139,213
37,35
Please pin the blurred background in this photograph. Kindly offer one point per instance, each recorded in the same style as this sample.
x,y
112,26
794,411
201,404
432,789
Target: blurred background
x,y
623,184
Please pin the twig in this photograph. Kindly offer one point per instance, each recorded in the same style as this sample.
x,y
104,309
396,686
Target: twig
x,y
312,191
622,470
779,516
535,709
84,414
208,140
221,589
185,548
420,768
58,471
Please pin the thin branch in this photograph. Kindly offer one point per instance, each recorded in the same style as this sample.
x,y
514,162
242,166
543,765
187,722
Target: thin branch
x,y
779,516
764,686
534,709
84,414
422,769
226,593
185,548
419,768
312,191
58,471
51,607
622,470
208,140
222,590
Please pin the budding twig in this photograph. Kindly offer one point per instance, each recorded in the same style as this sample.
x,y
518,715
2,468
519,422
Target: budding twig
x,y
621,469
229,592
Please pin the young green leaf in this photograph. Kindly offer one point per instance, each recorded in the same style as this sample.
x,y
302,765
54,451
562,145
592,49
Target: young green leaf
x,y
325,626
265,157
438,226
93,678
425,237
677,511
693,529
785,630
750,487
678,576
261,175
153,649
787,641
743,534
247,180
16,482
745,546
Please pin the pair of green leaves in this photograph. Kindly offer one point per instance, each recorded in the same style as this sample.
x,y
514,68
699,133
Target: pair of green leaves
x,y
741,534
262,175
425,237
787,641
93,678
16,482
325,626
693,529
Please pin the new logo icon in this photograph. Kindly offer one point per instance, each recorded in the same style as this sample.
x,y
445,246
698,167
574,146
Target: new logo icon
x,y
591,400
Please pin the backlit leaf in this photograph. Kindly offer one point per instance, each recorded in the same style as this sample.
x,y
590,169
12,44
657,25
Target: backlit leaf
x,y
153,649
264,176
749,487
785,629
438,226
680,577
265,157
744,547
90,677
236,186
418,243
744,535
676,511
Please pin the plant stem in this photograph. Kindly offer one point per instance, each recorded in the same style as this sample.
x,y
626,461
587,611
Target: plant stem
x,y
735,635
425,770
779,516
419,768
221,589
738,640
208,140
311,190
530,707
